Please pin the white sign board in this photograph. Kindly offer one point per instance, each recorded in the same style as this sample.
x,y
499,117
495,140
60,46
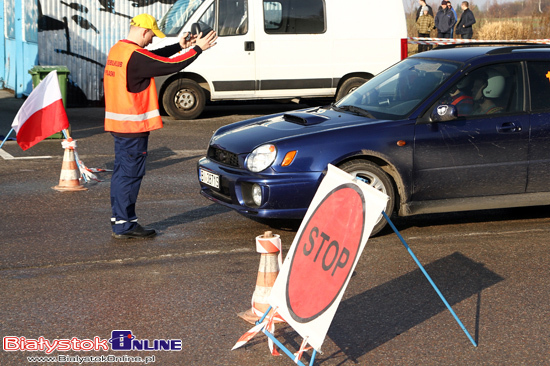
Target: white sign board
x,y
324,253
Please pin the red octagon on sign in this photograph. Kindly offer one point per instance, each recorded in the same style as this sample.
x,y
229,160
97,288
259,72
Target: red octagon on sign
x,y
326,251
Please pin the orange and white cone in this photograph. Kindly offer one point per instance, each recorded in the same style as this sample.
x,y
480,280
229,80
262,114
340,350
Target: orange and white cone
x,y
69,179
270,263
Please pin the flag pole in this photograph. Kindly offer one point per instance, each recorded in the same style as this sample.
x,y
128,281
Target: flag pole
x,y
429,279
6,138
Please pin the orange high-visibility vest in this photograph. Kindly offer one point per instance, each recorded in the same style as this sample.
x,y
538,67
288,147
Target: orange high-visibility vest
x,y
127,112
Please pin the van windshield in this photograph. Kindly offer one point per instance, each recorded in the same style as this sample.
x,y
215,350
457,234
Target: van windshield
x,y
173,21
394,93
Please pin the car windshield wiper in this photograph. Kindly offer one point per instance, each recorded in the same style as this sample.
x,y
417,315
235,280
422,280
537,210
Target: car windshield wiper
x,y
354,109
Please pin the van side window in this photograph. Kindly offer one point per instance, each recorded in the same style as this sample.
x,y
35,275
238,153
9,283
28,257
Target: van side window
x,y
177,16
273,15
294,17
206,21
233,18
539,85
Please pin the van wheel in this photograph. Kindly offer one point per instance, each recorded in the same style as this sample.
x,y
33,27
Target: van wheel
x,y
184,99
348,86
375,177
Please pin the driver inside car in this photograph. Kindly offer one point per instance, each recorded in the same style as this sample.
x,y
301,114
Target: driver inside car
x,y
461,97
488,86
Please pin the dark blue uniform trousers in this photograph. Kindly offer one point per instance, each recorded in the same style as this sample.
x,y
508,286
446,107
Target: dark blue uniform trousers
x,y
129,169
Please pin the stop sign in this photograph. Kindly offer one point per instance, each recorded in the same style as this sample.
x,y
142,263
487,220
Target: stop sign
x,y
325,254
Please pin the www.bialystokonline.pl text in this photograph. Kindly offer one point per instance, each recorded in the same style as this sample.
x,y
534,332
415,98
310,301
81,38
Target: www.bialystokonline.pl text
x,y
91,359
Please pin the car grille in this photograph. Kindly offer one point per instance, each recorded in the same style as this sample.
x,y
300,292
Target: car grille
x,y
223,156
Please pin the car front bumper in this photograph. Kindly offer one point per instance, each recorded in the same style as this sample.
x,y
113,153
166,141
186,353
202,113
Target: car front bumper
x,y
284,195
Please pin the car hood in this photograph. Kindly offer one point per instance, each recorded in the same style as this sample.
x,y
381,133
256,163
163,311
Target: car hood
x,y
243,137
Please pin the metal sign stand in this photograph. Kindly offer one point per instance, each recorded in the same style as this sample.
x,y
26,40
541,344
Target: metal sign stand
x,y
292,356
429,279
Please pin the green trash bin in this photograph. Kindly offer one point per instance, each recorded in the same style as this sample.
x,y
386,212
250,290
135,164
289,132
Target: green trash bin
x,y
38,73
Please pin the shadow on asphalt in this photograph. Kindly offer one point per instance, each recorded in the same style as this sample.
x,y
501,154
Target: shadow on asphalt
x,y
189,216
466,217
280,224
157,159
366,321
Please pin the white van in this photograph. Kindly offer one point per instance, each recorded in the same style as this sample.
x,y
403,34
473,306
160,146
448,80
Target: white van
x,y
280,49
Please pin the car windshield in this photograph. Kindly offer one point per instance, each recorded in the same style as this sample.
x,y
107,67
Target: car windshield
x,y
172,22
394,93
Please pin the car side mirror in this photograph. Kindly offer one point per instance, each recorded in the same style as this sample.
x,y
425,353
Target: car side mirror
x,y
196,29
443,113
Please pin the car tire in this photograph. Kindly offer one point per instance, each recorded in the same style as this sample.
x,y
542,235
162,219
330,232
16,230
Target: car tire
x,y
184,99
349,85
375,177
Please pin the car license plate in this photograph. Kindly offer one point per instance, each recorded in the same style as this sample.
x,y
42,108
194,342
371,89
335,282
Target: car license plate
x,y
211,179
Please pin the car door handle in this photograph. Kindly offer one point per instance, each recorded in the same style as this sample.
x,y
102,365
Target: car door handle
x,y
509,127
249,46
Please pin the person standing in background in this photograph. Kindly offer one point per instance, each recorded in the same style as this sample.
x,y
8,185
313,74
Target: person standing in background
x,y
450,7
424,25
444,21
467,19
420,10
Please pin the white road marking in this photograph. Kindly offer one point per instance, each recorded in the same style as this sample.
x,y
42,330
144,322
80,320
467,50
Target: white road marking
x,y
7,156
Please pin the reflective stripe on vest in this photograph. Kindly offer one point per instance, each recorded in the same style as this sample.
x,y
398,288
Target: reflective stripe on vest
x,y
127,112
131,117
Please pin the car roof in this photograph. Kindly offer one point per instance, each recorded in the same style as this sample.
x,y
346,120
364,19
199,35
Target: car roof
x,y
468,52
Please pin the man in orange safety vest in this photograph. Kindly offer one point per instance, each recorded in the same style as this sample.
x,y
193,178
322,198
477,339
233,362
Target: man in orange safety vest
x,y
132,110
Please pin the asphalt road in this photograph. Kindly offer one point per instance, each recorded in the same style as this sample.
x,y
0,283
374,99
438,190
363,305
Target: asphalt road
x,y
62,275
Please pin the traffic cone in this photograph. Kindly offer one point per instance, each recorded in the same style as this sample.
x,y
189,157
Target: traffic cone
x,y
69,179
267,274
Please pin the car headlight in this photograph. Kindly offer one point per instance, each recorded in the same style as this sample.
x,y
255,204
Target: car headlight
x,y
261,158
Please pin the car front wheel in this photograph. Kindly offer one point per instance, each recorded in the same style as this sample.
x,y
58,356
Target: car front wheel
x,y
184,99
375,177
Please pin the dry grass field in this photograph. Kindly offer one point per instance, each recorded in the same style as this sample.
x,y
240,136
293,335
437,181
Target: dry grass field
x,y
520,28
495,19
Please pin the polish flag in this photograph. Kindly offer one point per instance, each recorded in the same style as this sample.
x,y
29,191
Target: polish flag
x,y
42,114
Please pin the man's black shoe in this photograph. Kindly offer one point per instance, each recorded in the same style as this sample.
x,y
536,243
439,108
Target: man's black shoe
x,y
137,232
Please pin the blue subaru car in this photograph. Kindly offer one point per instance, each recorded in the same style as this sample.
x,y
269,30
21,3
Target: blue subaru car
x,y
452,129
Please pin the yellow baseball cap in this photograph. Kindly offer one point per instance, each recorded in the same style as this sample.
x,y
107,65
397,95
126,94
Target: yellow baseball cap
x,y
148,22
